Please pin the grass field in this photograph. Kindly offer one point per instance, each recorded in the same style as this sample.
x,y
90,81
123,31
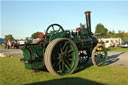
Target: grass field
x,y
12,72
117,49
2,46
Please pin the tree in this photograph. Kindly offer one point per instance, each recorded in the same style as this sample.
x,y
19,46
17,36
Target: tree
x,y
120,32
113,31
26,38
8,37
35,35
105,31
100,29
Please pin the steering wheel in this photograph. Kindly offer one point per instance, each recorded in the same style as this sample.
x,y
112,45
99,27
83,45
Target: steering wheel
x,y
54,27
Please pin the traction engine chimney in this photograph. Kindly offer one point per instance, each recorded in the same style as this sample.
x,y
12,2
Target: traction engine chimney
x,y
88,21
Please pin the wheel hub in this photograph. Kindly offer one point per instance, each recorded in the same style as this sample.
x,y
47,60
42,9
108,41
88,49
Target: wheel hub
x,y
63,56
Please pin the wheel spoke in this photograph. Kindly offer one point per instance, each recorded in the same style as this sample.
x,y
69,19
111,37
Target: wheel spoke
x,y
70,59
61,50
59,62
67,66
53,28
98,57
59,56
69,55
59,29
66,49
67,62
71,50
62,66
65,45
60,47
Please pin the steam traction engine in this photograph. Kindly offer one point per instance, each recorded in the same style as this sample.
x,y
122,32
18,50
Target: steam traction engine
x,y
60,51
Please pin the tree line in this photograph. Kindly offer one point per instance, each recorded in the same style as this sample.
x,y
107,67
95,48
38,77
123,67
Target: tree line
x,y
102,32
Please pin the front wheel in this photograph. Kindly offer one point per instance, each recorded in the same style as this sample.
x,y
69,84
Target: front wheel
x,y
99,56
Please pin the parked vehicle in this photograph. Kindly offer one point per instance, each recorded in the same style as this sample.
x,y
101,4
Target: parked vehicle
x,y
111,42
124,44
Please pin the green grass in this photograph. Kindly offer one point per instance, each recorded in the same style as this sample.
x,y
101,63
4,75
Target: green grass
x,y
12,72
117,49
2,46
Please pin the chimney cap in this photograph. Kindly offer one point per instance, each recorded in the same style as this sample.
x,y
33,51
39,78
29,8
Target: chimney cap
x,y
88,12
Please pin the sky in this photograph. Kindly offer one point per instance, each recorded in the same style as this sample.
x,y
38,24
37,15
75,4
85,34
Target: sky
x,y
22,18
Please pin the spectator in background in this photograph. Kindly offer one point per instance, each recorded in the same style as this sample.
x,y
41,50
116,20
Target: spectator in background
x,y
5,43
12,44
8,44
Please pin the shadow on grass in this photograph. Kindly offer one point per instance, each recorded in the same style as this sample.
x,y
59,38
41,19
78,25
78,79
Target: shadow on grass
x,y
85,66
114,58
67,81
80,68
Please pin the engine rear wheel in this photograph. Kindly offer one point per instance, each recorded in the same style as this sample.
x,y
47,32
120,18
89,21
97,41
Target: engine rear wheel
x,y
61,56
